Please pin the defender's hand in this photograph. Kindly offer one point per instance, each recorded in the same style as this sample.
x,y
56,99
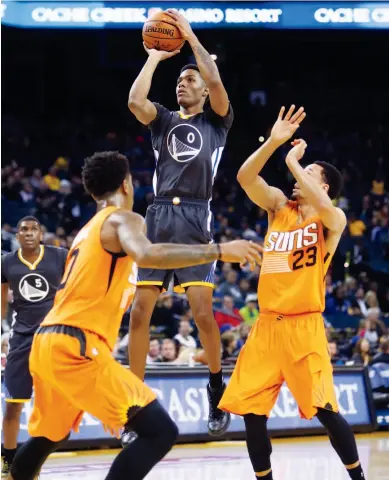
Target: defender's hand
x,y
297,151
284,128
160,54
181,23
241,251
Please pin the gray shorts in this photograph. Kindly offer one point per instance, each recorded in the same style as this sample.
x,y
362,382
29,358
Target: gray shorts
x,y
188,222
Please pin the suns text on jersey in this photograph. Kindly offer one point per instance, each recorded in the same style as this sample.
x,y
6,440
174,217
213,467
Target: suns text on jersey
x,y
292,240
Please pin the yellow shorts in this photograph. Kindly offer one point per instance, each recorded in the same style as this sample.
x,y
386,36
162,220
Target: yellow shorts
x,y
74,371
280,348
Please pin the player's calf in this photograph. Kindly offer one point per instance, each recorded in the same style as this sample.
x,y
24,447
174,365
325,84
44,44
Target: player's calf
x,y
258,445
156,435
343,441
11,427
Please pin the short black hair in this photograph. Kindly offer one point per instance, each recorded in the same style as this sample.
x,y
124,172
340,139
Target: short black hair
x,y
29,218
332,177
104,172
190,66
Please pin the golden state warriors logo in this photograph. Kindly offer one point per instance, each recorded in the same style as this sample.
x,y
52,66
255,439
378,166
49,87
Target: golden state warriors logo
x,y
184,142
33,287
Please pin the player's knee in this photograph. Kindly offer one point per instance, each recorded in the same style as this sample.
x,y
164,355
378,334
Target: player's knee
x,y
256,433
12,411
155,423
204,320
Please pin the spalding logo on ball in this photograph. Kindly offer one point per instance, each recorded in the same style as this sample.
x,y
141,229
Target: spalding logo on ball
x,y
159,32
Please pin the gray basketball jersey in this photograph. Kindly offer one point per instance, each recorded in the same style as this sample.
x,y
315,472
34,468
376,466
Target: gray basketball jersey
x,y
33,289
188,150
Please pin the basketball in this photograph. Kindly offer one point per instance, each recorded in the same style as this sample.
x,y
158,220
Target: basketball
x,y
160,33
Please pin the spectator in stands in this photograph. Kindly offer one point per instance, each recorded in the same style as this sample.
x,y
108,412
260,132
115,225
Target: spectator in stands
x,y
36,178
52,180
168,351
250,311
356,226
244,287
27,194
371,334
361,354
334,354
228,314
183,337
229,345
8,239
358,304
372,315
372,300
383,355
244,330
229,287
154,354
338,302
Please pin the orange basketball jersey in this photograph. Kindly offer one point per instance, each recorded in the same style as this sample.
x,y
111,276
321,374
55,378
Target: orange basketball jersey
x,y
295,262
97,286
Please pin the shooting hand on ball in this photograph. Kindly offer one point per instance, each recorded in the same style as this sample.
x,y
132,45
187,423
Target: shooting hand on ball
x,y
160,54
181,23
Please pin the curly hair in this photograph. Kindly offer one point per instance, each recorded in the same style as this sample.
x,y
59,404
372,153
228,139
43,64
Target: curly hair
x,y
333,177
104,172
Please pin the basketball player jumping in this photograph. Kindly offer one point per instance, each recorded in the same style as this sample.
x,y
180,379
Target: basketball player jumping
x,y
188,146
71,359
288,341
33,273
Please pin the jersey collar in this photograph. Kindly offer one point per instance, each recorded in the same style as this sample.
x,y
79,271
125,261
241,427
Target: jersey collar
x,y
32,266
185,117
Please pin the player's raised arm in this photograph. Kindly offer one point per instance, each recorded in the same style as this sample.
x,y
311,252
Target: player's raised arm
x,y
208,69
318,195
267,197
144,110
132,239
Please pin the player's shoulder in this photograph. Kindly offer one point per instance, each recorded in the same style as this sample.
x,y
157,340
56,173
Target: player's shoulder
x,y
121,216
8,257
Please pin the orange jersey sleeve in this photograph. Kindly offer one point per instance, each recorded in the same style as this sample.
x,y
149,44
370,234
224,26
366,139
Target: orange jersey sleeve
x,y
97,286
294,265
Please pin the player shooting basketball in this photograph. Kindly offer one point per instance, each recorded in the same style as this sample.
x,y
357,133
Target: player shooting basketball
x,y
188,145
288,342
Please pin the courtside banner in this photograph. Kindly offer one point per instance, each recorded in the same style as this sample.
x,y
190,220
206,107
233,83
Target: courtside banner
x,y
126,14
183,393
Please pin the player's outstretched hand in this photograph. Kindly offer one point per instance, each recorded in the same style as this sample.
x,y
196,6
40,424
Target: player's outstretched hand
x,y
160,54
241,251
286,126
298,150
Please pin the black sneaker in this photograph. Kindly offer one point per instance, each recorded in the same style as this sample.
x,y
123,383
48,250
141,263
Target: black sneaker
x,y
128,436
218,421
6,469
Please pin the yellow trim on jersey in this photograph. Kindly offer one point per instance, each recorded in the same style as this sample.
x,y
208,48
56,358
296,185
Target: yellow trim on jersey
x,y
17,400
199,284
185,117
150,282
32,266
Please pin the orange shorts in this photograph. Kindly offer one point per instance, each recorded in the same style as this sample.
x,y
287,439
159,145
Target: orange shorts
x,y
282,348
74,371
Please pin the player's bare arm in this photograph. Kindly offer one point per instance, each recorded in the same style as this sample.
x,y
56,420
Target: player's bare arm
x,y
332,217
138,103
267,197
125,231
4,300
208,69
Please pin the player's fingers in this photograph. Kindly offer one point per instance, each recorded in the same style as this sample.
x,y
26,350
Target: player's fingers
x,y
290,112
281,114
171,14
256,255
297,114
257,247
300,118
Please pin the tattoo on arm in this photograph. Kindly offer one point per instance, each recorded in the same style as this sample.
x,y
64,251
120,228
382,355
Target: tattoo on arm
x,y
205,61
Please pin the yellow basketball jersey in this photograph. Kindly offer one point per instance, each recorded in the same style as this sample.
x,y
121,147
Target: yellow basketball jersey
x,y
97,286
295,262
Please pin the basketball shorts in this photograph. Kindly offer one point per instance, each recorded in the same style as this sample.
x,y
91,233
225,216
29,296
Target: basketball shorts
x,y
188,222
282,348
17,377
74,372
